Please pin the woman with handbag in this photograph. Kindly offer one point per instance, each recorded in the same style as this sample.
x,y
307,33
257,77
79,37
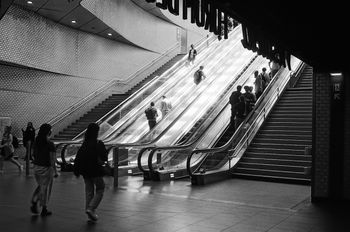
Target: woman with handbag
x,y
7,150
89,163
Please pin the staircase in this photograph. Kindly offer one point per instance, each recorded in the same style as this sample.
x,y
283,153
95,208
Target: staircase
x,y
277,153
108,104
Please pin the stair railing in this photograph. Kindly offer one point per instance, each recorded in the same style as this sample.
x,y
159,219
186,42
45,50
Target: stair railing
x,y
110,83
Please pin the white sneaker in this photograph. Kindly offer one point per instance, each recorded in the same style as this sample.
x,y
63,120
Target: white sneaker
x,y
92,215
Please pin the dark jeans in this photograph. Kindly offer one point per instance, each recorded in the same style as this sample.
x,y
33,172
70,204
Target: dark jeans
x,y
94,189
152,123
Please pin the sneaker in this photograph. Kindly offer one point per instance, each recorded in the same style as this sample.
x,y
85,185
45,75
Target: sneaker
x,y
45,212
34,208
91,214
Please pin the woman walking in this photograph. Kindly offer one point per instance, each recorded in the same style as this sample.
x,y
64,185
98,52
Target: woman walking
x,y
44,169
7,150
88,163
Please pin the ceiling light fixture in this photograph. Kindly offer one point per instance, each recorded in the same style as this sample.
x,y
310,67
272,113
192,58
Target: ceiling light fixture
x,y
109,34
73,21
29,2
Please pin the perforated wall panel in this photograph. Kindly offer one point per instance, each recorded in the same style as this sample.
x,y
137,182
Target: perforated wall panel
x,y
29,39
37,96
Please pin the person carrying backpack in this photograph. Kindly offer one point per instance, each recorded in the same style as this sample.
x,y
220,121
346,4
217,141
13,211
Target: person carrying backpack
x,y
199,75
151,114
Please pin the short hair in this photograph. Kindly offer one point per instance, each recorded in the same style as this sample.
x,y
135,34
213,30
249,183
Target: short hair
x,y
239,87
264,69
201,67
163,96
152,103
256,72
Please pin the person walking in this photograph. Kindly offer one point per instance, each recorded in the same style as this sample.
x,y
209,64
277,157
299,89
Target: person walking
x,y
28,140
7,150
44,170
192,53
151,114
234,99
165,106
89,160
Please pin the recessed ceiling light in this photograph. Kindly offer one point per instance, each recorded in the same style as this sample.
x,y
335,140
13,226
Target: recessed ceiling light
x,y
73,21
109,34
29,2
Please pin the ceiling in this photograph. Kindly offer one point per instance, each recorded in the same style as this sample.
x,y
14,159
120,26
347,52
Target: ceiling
x,y
316,32
65,11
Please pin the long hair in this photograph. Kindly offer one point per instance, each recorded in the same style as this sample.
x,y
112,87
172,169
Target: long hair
x,y
91,133
44,131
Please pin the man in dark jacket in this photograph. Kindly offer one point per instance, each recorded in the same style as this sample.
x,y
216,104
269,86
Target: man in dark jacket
x,y
234,99
151,114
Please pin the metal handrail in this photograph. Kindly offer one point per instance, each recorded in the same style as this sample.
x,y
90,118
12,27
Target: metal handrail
x,y
143,88
252,116
86,99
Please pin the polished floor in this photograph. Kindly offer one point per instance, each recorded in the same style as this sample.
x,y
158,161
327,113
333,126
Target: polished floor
x,y
234,205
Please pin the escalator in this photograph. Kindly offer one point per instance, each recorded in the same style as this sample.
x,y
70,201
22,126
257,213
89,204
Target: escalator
x,y
171,160
125,126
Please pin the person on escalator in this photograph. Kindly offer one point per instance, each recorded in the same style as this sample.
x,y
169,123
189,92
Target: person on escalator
x,y
151,114
258,84
240,111
192,53
165,106
199,75
250,99
234,99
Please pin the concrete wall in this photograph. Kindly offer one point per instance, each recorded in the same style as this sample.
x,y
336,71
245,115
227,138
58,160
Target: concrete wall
x,y
29,39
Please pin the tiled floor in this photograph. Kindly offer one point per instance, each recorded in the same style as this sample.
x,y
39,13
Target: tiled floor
x,y
231,206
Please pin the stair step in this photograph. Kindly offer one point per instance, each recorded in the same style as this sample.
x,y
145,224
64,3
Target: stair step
x,y
261,155
284,131
277,146
301,163
274,167
276,150
267,139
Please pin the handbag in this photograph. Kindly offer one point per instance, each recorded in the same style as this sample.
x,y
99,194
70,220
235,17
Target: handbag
x,y
107,169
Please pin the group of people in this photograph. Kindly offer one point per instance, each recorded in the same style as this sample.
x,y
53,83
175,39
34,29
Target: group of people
x,y
91,156
243,103
152,112
8,146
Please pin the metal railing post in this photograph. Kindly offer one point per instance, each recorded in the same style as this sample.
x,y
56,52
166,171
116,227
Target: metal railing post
x,y
115,165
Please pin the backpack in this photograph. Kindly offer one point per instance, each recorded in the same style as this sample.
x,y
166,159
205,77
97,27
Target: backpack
x,y
15,142
149,113
197,77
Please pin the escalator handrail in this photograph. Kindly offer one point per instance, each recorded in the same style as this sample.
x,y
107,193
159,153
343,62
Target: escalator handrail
x,y
139,92
252,116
